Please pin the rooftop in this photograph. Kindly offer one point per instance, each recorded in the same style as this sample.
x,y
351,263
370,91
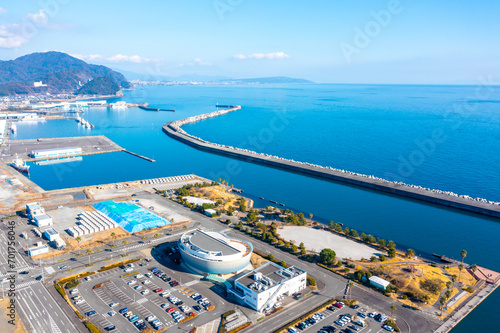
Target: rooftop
x,y
380,281
268,275
51,231
42,217
56,149
210,242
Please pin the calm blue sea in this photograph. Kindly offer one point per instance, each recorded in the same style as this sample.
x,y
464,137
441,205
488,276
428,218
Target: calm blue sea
x,y
444,137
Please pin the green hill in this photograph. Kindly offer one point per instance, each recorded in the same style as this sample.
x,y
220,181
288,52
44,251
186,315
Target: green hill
x,y
61,73
99,86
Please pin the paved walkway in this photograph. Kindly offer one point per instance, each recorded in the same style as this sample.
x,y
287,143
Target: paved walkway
x,y
210,327
467,308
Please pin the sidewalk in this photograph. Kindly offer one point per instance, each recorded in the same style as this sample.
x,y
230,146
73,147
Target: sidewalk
x,y
467,308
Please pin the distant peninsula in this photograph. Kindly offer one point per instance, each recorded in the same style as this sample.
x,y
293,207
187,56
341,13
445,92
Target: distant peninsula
x,y
57,72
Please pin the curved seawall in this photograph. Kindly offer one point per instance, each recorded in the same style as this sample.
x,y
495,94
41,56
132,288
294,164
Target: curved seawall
x,y
448,199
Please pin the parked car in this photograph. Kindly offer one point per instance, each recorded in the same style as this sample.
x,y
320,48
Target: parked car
x,y
90,313
145,292
388,328
73,291
111,313
110,328
122,311
112,305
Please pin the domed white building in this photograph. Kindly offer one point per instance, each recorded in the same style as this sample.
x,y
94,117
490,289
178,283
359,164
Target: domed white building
x,y
213,252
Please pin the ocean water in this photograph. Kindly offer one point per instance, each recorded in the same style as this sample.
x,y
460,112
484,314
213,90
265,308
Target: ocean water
x,y
444,137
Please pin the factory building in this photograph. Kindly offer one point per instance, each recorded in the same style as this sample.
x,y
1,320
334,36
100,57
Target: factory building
x,y
51,234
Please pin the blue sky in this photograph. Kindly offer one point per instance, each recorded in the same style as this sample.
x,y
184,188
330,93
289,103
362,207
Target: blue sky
x,y
423,42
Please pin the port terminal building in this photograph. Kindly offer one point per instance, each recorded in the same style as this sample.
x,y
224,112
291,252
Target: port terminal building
x,y
266,285
57,152
212,252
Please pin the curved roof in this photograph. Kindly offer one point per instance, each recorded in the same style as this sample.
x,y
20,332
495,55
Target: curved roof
x,y
213,243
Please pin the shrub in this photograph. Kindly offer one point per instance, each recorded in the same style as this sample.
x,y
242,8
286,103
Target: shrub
x,y
311,281
72,284
433,285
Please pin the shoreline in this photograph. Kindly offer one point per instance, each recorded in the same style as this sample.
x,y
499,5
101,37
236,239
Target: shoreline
x,y
438,197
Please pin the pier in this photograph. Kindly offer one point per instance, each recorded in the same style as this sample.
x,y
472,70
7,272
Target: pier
x,y
143,157
147,108
479,206
90,145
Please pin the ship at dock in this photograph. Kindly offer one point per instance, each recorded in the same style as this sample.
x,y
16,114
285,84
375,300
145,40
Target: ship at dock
x,y
13,128
20,165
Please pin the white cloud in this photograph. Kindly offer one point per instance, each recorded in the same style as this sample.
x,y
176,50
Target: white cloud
x,y
196,62
273,55
11,35
115,58
3,10
40,17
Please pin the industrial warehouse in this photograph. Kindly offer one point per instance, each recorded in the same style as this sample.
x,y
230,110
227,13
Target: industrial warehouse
x,y
59,152
213,252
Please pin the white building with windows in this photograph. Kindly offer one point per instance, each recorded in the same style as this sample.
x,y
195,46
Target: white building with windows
x,y
39,249
261,288
56,152
33,209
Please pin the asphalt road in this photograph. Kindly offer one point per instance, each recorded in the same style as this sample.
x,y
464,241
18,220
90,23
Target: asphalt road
x,y
39,315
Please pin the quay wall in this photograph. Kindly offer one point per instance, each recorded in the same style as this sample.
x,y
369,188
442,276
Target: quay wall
x,y
466,203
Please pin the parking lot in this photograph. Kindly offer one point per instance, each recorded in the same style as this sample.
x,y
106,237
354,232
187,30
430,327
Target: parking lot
x,y
143,294
332,315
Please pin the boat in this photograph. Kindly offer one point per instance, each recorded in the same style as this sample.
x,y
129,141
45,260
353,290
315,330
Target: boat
x,y
78,119
282,204
20,165
261,198
272,201
13,128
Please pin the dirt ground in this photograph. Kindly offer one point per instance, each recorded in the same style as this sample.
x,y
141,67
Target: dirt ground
x,y
257,260
215,193
5,327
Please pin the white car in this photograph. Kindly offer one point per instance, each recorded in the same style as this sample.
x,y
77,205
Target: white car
x,y
79,301
139,287
73,291
146,282
138,276
145,292
111,313
131,282
149,275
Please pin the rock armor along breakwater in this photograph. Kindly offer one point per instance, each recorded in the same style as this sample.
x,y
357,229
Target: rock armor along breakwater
x,y
444,198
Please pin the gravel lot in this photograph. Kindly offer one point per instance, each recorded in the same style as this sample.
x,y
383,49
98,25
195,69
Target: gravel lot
x,y
316,240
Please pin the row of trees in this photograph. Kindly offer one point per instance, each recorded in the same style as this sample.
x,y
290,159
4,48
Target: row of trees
x,y
370,239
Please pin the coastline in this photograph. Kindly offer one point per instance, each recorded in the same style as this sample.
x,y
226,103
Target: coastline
x,y
443,198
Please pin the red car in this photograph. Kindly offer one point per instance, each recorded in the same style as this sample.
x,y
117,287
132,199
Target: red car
x,y
169,310
338,305
158,290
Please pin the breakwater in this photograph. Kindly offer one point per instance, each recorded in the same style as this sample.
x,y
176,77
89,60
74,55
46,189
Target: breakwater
x,y
147,108
444,198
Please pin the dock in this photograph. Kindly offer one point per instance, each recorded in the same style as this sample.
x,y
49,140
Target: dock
x,y
90,145
174,130
143,157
